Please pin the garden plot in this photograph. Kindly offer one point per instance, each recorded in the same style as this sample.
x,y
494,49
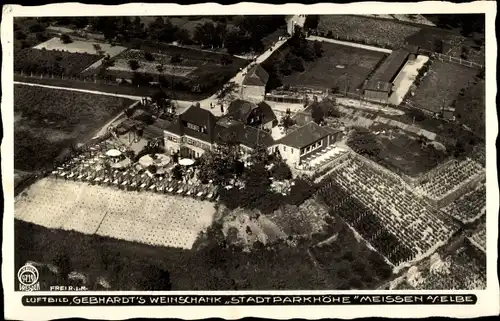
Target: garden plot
x,y
450,177
80,46
381,32
181,69
149,218
418,229
469,207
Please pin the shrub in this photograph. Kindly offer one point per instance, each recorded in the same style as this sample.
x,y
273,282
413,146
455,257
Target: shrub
x,y
133,64
149,56
176,59
65,38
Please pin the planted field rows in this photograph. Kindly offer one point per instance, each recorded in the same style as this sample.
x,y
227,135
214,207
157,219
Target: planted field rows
x,y
469,207
148,218
450,177
52,62
367,30
414,225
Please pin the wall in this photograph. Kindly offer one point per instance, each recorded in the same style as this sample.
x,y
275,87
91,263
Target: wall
x,y
325,144
171,146
289,154
378,95
253,92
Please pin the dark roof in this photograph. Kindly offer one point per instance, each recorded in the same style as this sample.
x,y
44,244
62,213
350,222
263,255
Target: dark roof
x,y
390,67
243,134
240,109
162,123
305,135
151,131
198,116
267,112
256,76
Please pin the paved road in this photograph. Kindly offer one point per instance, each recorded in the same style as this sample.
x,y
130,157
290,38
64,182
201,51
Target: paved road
x,y
350,44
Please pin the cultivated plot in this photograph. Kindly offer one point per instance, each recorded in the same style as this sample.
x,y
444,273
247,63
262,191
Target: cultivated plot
x,y
149,218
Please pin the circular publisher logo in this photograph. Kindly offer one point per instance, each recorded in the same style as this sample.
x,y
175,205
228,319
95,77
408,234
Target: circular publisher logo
x,y
27,275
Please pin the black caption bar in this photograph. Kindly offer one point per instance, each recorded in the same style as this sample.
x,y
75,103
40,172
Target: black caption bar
x,y
127,300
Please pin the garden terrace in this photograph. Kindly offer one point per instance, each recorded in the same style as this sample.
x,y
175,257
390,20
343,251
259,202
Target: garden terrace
x,y
468,207
48,121
51,62
394,205
364,222
441,86
94,167
450,177
379,32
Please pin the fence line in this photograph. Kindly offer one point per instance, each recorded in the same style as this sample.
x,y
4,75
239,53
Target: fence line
x,y
447,58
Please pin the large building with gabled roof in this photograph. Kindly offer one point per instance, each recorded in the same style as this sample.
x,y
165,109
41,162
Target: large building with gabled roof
x,y
254,84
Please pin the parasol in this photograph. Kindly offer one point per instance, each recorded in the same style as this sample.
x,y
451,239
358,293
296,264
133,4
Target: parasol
x,y
186,162
113,153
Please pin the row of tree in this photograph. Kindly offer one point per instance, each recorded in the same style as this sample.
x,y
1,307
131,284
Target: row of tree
x,y
238,34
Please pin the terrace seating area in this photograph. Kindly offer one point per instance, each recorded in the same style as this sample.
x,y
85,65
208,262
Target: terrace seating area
x,y
397,207
449,178
324,156
89,166
469,207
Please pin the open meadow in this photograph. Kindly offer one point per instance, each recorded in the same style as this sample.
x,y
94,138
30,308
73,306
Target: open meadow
x,y
339,66
442,85
48,121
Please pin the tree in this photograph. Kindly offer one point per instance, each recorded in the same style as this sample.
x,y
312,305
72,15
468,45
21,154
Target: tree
x,y
317,113
183,36
206,34
65,38
287,122
362,141
311,22
281,171
226,60
318,49
133,64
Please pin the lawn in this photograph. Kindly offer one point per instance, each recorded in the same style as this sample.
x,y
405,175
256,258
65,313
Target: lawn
x,y
401,152
441,86
49,120
150,218
339,66
471,108
368,30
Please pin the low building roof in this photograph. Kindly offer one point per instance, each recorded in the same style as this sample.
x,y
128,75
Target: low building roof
x,y
306,135
378,86
391,66
256,76
244,134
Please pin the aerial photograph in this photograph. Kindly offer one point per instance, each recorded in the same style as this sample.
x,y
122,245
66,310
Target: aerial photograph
x,y
250,152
